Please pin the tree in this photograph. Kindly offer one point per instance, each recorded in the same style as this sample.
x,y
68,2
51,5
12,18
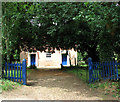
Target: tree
x,y
83,26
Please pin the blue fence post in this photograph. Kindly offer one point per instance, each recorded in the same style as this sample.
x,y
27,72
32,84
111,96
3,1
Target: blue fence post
x,y
90,68
6,70
24,71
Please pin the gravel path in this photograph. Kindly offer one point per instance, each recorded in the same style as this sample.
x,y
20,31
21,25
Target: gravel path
x,y
51,85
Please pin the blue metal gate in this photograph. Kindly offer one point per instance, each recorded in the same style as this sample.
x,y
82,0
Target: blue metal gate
x,y
103,70
15,72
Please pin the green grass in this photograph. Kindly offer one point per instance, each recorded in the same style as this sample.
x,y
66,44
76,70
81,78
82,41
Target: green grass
x,y
8,85
14,73
118,71
109,87
82,64
28,71
81,72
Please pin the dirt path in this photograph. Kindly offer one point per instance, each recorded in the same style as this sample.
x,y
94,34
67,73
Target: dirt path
x,y
52,85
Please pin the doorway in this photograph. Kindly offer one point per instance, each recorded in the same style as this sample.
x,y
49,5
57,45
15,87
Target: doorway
x,y
33,62
64,59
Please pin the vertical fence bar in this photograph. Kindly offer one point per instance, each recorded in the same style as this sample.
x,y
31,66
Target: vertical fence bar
x,y
14,72
111,69
8,70
114,69
5,69
105,70
93,69
97,70
90,69
92,73
17,72
108,70
101,68
20,72
24,71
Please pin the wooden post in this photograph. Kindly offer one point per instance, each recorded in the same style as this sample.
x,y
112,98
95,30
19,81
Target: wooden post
x,y
90,68
24,71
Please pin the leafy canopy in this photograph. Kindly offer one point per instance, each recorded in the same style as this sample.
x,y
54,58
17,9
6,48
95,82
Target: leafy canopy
x,y
87,27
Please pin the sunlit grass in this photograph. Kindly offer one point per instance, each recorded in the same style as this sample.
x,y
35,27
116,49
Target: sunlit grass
x,y
80,72
118,71
8,85
15,73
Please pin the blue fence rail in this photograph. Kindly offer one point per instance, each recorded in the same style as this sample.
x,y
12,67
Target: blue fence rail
x,y
15,72
104,70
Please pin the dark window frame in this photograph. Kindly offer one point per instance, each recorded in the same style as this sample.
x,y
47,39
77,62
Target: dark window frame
x,y
48,55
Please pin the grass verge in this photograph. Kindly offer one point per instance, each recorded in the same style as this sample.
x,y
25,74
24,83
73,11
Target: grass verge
x,y
7,85
80,72
111,88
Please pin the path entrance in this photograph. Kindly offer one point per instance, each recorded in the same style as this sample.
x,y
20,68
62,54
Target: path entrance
x,y
52,85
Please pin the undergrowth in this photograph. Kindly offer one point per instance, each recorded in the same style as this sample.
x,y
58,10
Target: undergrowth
x,y
8,85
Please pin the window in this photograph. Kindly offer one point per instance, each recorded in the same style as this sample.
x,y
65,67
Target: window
x,y
48,55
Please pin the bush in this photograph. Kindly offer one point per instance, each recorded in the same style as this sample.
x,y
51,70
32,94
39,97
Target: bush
x,y
8,85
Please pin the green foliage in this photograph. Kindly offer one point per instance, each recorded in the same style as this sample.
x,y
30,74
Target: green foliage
x,y
82,59
16,55
8,85
84,26
106,48
108,87
81,73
